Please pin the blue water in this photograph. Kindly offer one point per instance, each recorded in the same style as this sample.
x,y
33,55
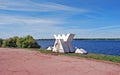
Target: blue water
x,y
109,47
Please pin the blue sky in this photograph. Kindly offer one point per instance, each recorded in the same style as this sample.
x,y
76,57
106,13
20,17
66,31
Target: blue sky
x,y
43,18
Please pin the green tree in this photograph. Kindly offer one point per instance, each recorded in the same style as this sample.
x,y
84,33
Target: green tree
x,y
5,43
1,41
30,42
11,42
22,42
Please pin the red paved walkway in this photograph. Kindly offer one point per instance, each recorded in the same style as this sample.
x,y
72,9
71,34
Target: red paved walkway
x,y
25,62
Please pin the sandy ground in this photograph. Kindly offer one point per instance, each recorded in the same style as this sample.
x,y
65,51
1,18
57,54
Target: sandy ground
x,y
26,62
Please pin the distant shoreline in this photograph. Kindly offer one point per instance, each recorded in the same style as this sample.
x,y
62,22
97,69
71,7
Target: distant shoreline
x,y
84,39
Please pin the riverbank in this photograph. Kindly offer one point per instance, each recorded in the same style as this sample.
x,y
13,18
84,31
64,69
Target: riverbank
x,y
34,62
101,57
88,56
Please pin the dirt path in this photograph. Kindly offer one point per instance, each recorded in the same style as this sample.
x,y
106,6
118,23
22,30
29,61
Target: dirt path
x,y
26,62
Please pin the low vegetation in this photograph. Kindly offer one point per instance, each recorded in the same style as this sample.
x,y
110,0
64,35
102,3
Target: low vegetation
x,y
97,56
89,56
20,42
1,41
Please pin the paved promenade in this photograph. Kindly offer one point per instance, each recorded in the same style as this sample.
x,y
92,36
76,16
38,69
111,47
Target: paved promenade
x,y
27,62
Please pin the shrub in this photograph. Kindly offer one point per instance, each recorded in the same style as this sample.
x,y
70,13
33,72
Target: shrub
x,y
1,41
22,42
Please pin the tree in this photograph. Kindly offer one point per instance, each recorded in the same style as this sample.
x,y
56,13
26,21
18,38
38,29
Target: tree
x,y
11,42
30,43
19,42
1,41
5,43
22,42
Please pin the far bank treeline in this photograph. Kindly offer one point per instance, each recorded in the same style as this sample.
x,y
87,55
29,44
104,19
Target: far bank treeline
x,y
19,42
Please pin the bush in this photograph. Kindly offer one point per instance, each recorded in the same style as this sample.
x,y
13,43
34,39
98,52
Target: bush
x,y
22,42
1,41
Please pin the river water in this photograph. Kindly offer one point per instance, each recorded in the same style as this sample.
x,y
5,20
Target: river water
x,y
109,47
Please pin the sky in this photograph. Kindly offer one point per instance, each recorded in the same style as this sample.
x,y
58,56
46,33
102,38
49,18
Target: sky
x,y
44,18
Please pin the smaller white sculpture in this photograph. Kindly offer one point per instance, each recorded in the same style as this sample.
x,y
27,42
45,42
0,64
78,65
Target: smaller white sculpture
x,y
81,51
49,48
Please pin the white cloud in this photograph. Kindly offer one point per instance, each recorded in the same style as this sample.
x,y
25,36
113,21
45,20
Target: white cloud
x,y
8,19
27,5
22,25
106,28
45,28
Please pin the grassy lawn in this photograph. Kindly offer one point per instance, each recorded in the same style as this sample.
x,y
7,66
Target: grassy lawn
x,y
89,55
97,56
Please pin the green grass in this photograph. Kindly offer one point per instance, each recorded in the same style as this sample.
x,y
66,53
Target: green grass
x,y
97,57
89,55
103,57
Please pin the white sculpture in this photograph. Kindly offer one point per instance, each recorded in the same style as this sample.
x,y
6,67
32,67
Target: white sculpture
x,y
49,48
63,43
81,51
